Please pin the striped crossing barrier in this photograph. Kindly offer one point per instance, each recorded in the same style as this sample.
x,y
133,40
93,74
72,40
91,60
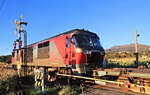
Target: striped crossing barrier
x,y
39,79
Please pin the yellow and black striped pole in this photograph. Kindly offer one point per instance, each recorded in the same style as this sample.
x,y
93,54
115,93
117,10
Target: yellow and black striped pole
x,y
39,79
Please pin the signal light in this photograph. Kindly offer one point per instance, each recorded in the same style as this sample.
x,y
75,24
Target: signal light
x,y
20,43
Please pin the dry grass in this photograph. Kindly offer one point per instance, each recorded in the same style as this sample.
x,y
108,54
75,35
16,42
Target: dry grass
x,y
7,80
5,73
9,84
67,91
129,60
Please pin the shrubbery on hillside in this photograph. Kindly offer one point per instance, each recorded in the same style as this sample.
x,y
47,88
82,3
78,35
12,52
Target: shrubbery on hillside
x,y
5,59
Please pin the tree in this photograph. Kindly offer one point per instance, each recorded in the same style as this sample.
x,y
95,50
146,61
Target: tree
x,y
5,59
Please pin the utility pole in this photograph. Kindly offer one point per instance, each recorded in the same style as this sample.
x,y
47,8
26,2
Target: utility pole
x,y
19,29
136,48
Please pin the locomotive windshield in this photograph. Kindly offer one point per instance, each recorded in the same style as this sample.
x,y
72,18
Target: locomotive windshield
x,y
87,41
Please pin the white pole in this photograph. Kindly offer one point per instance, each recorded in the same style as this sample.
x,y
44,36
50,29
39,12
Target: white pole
x,y
35,78
136,48
43,90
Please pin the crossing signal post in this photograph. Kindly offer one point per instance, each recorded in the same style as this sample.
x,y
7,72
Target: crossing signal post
x,y
20,30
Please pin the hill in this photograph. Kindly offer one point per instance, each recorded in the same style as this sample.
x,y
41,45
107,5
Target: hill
x,y
128,48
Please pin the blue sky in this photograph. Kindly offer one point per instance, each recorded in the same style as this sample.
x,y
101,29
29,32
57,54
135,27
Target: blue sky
x,y
113,20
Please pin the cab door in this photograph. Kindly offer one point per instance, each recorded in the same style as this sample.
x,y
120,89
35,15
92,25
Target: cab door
x,y
68,51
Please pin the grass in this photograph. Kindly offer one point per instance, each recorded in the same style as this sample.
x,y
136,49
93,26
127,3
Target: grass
x,y
37,91
127,62
9,85
7,80
64,90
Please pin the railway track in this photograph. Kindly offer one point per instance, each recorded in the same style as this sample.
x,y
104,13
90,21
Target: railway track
x,y
115,89
104,90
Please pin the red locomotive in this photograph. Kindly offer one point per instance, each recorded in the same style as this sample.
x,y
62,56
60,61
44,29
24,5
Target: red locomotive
x,y
78,50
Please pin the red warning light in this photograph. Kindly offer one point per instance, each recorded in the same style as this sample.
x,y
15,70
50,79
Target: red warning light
x,y
20,43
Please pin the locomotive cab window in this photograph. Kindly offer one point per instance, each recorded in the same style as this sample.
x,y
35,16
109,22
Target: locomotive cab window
x,y
87,41
68,42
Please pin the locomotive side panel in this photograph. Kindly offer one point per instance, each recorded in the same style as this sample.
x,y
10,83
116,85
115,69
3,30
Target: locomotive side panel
x,y
40,54
57,52
30,55
50,53
64,50
35,52
56,59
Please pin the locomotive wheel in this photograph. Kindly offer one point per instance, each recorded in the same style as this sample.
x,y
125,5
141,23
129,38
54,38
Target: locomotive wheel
x,y
68,71
51,78
51,74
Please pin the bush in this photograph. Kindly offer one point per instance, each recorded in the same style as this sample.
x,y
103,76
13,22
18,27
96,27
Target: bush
x,y
5,59
9,85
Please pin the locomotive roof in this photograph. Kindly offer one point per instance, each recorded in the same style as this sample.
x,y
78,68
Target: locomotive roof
x,y
68,32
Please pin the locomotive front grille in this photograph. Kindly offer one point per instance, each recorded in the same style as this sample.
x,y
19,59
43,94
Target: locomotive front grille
x,y
94,60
